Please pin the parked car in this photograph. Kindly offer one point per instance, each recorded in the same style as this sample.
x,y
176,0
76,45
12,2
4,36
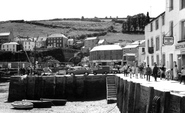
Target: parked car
x,y
2,73
114,70
101,70
78,70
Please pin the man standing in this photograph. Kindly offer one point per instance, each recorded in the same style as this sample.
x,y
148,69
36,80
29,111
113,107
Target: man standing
x,y
182,75
175,73
155,71
148,73
163,69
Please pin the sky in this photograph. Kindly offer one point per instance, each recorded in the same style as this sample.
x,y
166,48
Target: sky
x,y
50,9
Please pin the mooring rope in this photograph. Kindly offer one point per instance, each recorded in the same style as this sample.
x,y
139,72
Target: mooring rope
x,y
112,109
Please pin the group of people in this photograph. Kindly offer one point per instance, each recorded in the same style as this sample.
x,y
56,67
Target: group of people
x,y
161,72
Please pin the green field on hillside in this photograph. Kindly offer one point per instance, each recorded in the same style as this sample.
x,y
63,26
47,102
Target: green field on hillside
x,y
71,28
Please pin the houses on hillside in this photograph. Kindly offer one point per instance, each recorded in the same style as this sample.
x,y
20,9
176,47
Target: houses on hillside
x,y
165,36
56,40
6,37
29,43
11,46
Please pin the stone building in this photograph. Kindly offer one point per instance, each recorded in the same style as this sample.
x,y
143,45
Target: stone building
x,y
57,40
6,37
106,55
165,36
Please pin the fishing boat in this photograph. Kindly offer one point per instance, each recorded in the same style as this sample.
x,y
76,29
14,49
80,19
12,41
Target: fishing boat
x,y
22,105
40,103
56,102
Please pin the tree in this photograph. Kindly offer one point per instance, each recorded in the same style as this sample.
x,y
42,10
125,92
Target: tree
x,y
135,24
82,18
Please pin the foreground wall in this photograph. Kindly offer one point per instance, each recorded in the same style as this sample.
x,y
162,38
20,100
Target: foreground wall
x,y
135,97
68,87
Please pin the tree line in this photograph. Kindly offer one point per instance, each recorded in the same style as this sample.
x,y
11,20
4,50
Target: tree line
x,y
135,24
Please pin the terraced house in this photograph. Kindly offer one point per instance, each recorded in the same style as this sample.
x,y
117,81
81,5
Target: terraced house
x,y
57,40
165,36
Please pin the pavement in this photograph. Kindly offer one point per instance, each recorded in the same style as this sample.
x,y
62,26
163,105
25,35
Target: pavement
x,y
174,87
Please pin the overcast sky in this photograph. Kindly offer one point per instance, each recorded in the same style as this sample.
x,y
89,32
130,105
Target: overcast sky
x,y
50,9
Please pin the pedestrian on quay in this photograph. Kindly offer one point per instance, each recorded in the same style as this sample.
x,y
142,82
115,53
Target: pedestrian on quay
x,y
162,74
125,70
133,70
155,71
141,69
136,72
129,70
175,73
148,72
182,78
168,74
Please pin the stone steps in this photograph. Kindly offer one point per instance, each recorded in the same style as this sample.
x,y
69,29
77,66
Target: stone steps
x,y
111,89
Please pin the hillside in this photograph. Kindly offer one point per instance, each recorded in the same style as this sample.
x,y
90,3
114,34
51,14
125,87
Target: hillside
x,y
71,28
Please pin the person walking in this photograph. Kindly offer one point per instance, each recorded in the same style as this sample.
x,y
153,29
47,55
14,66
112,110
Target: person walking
x,y
182,76
155,71
163,69
148,73
175,73
141,69
136,72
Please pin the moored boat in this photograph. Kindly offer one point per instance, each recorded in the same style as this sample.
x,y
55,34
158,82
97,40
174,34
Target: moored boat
x,y
56,102
22,105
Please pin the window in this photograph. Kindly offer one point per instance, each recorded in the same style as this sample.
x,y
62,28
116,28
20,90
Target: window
x,y
163,20
163,38
157,43
157,59
171,5
163,59
152,58
171,28
183,30
147,60
151,27
143,49
156,24
182,4
148,44
152,42
124,58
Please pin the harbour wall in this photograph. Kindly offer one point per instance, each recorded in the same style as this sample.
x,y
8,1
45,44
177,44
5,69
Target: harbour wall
x,y
72,88
135,97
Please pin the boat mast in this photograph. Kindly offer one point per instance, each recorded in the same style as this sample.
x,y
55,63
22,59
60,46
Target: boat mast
x,y
34,63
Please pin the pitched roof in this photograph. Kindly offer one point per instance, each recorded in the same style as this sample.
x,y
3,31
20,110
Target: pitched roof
x,y
134,44
41,38
138,42
10,43
91,38
101,41
57,35
131,46
106,47
5,34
